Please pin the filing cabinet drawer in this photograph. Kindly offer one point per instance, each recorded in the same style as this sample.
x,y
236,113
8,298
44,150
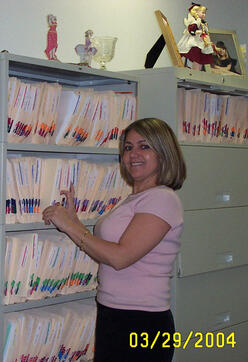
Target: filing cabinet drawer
x,y
213,239
211,301
216,177
217,353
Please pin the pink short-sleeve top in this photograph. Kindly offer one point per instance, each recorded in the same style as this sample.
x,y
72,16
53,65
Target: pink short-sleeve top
x,y
144,285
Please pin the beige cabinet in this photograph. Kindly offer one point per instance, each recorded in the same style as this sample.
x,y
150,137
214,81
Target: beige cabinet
x,y
209,289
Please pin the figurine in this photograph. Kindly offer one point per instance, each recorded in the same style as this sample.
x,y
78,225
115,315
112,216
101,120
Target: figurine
x,y
52,41
86,51
195,43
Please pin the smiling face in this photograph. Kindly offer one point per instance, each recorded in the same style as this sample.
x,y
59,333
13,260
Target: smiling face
x,y
222,52
140,161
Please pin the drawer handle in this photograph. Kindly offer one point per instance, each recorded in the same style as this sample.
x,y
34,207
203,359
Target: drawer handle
x,y
225,258
224,197
222,318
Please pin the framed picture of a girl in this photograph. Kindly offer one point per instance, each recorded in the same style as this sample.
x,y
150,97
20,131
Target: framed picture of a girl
x,y
228,57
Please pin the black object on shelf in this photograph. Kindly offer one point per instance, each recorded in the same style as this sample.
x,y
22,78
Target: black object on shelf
x,y
154,52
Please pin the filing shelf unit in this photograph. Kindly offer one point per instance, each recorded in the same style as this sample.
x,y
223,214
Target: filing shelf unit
x,y
209,289
68,75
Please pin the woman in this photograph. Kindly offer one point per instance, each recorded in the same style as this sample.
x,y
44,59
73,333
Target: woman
x,y
136,245
222,59
195,43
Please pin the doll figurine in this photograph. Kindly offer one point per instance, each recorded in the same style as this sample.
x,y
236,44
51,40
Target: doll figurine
x,y
52,42
86,51
195,43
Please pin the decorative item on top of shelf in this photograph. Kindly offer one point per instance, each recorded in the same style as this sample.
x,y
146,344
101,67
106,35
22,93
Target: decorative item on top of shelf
x,y
52,39
86,51
105,46
195,44
228,58
167,38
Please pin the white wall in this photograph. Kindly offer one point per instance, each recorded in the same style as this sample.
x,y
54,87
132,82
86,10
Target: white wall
x,y
23,25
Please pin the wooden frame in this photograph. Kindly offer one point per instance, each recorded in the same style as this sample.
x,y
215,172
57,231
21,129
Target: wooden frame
x,y
169,39
230,39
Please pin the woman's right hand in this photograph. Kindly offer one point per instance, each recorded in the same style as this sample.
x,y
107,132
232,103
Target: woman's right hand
x,y
69,204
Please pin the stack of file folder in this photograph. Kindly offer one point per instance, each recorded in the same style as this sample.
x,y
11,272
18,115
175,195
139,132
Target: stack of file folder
x,y
35,183
48,113
45,264
51,333
211,117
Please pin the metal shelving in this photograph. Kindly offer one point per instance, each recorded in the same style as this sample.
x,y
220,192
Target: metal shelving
x,y
68,75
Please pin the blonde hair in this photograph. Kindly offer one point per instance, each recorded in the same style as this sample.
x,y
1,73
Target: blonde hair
x,y
194,12
195,9
162,140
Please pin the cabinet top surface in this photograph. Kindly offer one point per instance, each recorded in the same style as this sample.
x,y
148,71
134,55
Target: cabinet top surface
x,y
196,77
22,65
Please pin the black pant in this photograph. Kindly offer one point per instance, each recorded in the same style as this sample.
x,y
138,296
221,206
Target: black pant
x,y
133,336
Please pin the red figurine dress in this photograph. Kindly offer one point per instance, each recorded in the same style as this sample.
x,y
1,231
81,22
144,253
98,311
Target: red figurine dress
x,y
52,41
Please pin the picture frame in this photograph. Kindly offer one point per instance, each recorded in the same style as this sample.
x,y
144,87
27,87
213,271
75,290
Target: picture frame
x,y
169,39
230,39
